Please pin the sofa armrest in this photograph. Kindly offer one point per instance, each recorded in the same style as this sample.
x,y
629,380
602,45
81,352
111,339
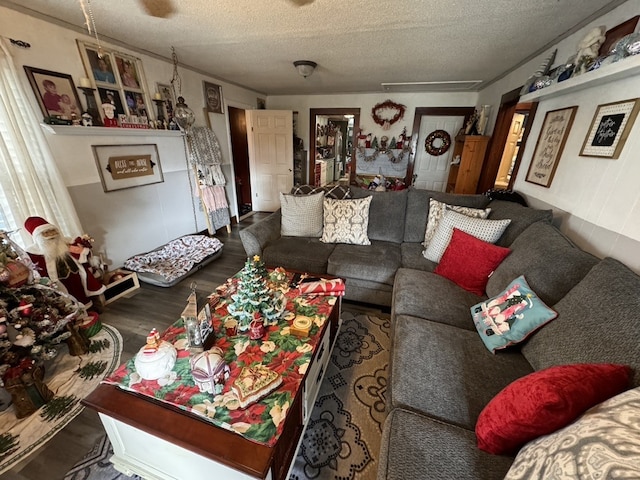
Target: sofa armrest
x,y
255,237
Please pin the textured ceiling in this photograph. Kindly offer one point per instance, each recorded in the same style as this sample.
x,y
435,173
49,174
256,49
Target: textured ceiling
x,y
358,44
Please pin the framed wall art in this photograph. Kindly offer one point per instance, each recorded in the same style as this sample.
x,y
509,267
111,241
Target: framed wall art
x,y
166,93
118,79
127,166
213,97
610,128
56,93
553,136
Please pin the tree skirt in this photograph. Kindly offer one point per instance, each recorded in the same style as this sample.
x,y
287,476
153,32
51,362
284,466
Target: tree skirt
x,y
70,379
343,437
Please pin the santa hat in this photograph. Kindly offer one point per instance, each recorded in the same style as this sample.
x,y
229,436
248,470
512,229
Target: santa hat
x,y
36,225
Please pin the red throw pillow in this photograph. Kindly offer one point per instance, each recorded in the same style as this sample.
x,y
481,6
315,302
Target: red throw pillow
x,y
468,261
544,401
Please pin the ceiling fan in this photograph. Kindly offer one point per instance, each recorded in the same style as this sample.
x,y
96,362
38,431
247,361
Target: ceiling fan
x,y
164,8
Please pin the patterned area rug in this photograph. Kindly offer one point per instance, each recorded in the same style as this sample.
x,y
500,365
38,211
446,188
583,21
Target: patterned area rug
x,y
342,440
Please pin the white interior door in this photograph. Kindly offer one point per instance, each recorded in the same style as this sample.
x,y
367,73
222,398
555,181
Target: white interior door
x,y
432,171
270,141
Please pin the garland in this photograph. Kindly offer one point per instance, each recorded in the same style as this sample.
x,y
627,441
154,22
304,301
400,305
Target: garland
x,y
379,152
441,135
386,123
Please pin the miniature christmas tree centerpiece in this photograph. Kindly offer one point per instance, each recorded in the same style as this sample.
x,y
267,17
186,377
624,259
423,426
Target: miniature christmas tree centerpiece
x,y
254,296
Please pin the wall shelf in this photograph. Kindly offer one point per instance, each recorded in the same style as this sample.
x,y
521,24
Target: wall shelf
x,y
108,131
628,67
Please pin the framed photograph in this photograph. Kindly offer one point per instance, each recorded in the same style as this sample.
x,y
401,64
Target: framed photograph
x,y
56,93
261,103
127,166
616,33
553,136
166,93
213,97
610,128
119,74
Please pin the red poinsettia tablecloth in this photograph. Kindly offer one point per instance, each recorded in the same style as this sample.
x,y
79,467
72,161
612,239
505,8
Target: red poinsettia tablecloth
x,y
284,353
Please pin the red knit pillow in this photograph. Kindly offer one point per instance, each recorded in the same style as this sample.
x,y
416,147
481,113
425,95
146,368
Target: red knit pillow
x,y
544,401
468,261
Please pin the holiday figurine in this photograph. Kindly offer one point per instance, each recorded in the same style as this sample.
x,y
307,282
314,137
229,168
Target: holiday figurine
x,y
51,256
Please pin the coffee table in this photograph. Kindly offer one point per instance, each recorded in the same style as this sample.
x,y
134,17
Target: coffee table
x,y
159,441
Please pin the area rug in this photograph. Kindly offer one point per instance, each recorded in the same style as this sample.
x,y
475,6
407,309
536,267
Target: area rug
x,y
342,440
70,379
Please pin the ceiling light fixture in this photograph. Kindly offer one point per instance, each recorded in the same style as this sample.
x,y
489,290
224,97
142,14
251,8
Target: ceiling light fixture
x,y
305,67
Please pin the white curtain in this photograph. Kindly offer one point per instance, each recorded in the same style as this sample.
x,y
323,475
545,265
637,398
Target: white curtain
x,y
30,183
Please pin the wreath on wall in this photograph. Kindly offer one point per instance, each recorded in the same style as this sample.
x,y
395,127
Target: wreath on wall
x,y
386,123
443,140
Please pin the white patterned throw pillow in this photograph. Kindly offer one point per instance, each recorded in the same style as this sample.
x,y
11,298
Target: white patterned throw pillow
x,y
346,221
301,215
603,443
437,210
487,230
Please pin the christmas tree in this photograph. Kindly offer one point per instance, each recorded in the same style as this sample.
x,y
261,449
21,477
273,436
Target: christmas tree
x,y
254,299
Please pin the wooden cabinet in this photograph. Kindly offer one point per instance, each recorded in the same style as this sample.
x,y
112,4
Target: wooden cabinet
x,y
464,175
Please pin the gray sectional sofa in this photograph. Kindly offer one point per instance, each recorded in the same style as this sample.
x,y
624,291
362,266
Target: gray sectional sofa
x,y
441,373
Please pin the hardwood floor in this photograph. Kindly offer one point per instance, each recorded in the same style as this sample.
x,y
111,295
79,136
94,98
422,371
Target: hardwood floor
x,y
134,317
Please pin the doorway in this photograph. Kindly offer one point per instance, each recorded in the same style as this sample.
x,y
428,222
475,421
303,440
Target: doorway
x,y
332,136
511,150
240,153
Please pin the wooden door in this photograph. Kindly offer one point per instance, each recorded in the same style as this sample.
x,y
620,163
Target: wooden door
x,y
240,153
270,141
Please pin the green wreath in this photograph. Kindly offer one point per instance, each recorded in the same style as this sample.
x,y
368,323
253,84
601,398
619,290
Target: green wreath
x,y
445,143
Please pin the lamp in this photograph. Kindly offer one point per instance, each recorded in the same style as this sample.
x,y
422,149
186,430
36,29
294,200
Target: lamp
x,y
305,67
182,114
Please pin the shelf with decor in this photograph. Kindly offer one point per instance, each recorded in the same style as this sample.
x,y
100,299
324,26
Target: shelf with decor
x,y
628,67
108,131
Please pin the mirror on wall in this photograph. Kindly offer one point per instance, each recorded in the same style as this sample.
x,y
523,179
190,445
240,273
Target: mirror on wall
x,y
332,138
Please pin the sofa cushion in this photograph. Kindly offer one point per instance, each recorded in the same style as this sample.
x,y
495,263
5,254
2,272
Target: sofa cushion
x,y
339,192
368,292
346,221
377,262
301,215
418,209
446,372
437,210
293,253
511,316
597,322
469,261
545,401
551,263
487,230
605,429
521,217
386,215
418,447
427,295
412,257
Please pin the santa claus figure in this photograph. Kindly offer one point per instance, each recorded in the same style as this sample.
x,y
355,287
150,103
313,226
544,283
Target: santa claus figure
x,y
51,256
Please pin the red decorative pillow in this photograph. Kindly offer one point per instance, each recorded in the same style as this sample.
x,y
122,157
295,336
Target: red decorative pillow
x,y
545,401
468,261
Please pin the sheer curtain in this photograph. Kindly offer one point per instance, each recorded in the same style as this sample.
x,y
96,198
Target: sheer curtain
x,y
30,183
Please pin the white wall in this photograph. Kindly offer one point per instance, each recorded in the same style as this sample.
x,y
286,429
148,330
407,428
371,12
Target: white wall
x,y
365,102
597,200
124,222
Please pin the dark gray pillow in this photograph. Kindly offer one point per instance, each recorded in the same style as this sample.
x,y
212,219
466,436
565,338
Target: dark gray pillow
x,y
386,214
598,322
548,260
521,217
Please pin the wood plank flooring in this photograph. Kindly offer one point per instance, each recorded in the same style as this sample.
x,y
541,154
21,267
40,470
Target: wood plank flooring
x,y
134,317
